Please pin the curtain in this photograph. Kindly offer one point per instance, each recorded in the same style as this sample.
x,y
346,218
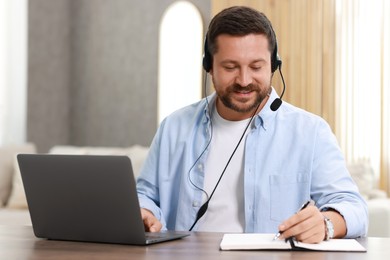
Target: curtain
x,y
362,83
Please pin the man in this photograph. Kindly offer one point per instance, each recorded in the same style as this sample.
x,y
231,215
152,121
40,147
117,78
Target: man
x,y
255,166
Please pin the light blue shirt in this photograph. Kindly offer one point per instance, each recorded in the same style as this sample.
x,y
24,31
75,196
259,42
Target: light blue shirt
x,y
291,156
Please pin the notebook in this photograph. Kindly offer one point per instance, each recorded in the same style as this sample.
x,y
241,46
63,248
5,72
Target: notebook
x,y
85,198
260,241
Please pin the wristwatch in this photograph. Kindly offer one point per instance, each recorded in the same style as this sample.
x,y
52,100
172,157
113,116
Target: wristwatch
x,y
329,229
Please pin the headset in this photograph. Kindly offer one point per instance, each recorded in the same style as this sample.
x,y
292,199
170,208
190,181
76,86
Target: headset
x,y
276,63
207,62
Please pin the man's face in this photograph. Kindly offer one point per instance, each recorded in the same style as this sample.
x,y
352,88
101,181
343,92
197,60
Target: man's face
x,y
241,74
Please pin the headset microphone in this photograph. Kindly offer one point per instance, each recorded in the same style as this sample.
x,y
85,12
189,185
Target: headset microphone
x,y
278,101
276,104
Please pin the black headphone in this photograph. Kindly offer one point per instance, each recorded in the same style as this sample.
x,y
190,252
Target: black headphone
x,y
276,62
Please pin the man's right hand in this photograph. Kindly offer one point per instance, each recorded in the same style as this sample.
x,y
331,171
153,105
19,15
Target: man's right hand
x,y
151,223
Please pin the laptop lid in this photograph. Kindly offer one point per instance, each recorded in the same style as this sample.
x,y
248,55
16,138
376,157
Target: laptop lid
x,y
88,198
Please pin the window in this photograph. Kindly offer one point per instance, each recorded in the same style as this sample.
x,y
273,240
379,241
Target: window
x,y
13,71
2,67
180,58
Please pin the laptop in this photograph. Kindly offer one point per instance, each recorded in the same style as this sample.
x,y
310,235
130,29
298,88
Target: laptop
x,y
89,198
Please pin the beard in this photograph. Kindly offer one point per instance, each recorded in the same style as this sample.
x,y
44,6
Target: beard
x,y
243,105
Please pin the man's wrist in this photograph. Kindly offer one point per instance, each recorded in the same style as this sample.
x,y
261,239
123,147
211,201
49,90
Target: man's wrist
x,y
338,221
329,228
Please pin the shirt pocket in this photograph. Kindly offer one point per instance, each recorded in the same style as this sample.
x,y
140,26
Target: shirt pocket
x,y
288,193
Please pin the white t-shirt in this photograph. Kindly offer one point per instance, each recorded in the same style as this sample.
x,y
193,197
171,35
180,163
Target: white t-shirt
x,y
225,212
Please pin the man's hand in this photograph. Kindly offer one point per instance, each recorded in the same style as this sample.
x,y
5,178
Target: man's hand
x,y
151,223
308,225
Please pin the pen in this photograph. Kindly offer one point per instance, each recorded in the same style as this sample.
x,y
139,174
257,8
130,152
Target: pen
x,y
309,202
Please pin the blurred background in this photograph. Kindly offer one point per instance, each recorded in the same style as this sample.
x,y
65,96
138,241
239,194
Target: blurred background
x,y
105,73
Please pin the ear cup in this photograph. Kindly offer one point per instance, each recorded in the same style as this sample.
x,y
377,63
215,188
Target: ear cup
x,y
276,62
207,60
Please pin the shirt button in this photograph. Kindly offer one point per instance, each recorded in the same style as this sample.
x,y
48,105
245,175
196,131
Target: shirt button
x,y
200,167
195,204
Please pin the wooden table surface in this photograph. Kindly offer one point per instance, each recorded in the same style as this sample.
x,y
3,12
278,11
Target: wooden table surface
x,y
19,242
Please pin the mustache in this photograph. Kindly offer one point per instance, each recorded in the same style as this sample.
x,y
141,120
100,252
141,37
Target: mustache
x,y
238,88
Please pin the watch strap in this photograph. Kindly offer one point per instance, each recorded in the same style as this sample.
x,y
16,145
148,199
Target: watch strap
x,y
329,229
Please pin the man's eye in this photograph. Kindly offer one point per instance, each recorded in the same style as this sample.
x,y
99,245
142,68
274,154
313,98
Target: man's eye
x,y
256,68
230,67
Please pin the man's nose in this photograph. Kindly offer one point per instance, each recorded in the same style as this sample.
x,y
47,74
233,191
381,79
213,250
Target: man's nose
x,y
244,77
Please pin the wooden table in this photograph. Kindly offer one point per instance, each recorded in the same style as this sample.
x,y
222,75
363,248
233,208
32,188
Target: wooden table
x,y
19,242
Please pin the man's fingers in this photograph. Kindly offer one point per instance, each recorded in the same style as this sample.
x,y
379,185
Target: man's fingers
x,y
151,223
306,226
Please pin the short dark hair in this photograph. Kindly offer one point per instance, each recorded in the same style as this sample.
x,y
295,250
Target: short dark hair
x,y
239,21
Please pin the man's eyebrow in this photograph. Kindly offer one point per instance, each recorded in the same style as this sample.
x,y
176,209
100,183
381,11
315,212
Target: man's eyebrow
x,y
236,62
228,61
258,60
